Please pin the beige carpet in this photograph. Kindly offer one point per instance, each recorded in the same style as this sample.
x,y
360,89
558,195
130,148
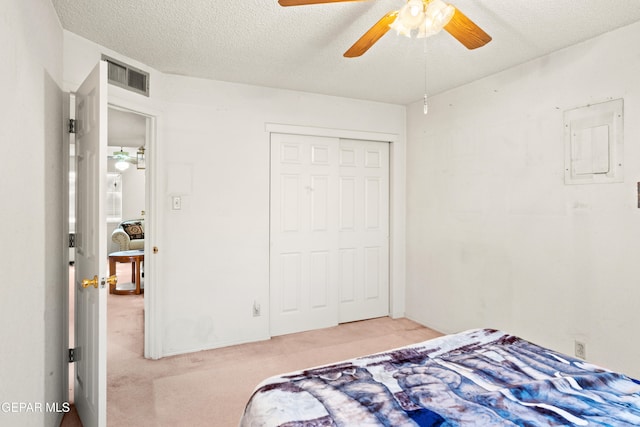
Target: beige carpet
x,y
210,388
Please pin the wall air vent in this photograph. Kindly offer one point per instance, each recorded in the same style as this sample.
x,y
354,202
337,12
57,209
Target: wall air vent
x,y
127,77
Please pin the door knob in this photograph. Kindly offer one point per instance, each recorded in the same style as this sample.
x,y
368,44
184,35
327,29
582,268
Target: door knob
x,y
90,282
112,280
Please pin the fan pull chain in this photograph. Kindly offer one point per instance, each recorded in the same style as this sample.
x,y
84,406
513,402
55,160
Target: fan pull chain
x,y
425,106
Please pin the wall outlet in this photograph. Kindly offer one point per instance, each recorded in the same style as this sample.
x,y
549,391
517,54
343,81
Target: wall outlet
x,y
580,349
256,309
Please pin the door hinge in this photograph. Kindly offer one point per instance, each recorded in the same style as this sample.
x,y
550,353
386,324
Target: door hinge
x,y
72,125
74,354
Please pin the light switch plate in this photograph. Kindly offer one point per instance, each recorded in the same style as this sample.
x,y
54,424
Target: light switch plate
x,y
176,203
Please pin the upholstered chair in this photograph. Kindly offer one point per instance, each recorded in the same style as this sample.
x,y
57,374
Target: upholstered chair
x,y
129,234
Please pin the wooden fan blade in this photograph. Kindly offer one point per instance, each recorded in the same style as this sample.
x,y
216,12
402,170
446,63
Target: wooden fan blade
x,y
306,2
466,31
368,39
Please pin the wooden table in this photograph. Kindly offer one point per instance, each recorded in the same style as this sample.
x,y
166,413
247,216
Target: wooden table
x,y
135,257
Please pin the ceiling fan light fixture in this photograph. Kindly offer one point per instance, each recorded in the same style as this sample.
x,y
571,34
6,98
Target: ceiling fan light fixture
x,y
121,157
122,165
400,28
439,13
120,154
412,14
427,29
428,17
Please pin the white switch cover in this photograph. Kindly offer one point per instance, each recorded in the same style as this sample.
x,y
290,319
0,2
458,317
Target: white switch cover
x,y
177,203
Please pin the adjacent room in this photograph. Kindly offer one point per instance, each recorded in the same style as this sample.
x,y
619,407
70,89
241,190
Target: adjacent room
x,y
310,169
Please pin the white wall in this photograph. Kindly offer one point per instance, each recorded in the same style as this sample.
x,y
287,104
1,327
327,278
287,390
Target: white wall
x,y
495,237
217,132
32,256
213,151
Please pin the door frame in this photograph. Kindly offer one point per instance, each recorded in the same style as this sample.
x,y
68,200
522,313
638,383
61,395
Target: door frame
x,y
123,100
397,198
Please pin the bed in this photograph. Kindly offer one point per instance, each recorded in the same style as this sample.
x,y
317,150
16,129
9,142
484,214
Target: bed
x,y
481,377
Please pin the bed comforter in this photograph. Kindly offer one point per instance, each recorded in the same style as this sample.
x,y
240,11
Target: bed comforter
x,y
476,378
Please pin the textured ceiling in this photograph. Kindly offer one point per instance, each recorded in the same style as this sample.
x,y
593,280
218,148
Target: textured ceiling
x,y
261,43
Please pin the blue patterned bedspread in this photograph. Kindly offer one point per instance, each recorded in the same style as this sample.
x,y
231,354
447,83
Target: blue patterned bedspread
x,y
475,378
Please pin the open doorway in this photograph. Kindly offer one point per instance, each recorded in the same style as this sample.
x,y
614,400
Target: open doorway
x,y
126,199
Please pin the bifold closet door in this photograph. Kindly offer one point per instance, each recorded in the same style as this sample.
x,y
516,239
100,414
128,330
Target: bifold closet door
x,y
363,257
304,233
329,232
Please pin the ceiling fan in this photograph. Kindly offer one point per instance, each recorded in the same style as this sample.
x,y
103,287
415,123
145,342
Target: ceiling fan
x,y
123,159
422,17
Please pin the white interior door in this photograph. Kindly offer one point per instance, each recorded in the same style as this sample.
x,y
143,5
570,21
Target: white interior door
x,y
364,230
90,385
304,233
329,231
